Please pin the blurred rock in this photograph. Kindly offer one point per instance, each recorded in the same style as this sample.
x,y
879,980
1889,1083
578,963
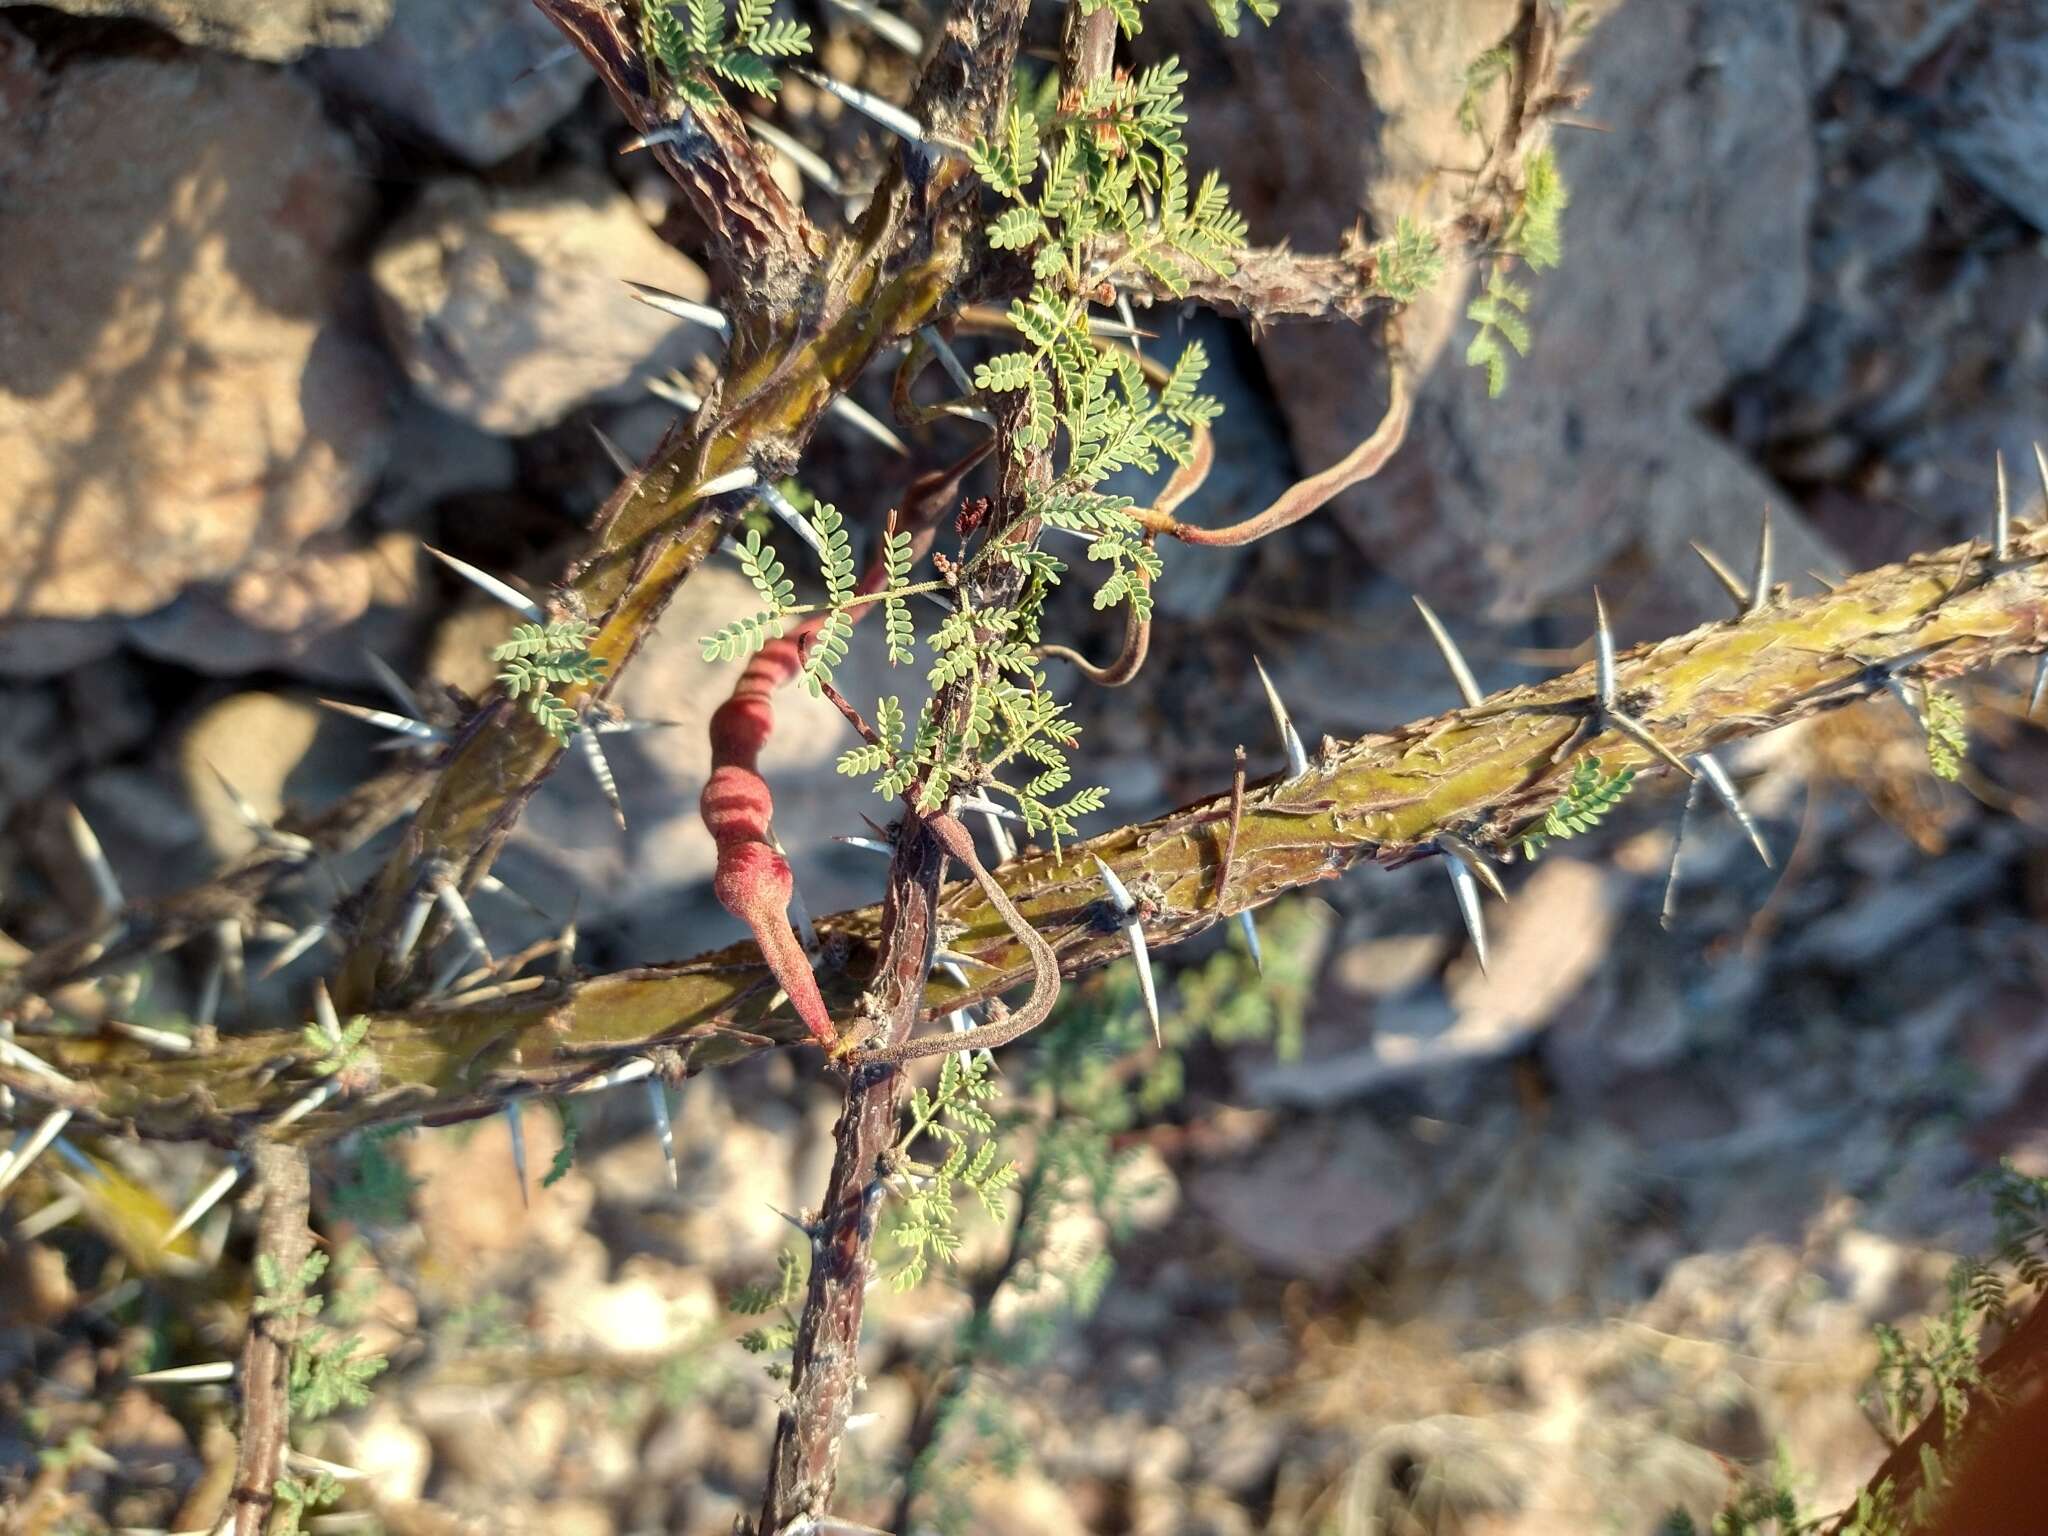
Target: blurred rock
x,y
255,741
507,307
260,29
388,1450
464,76
32,648
1994,113
313,614
1888,37
436,455
173,399
1685,265
1315,1196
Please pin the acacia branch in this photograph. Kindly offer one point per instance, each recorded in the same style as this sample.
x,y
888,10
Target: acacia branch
x,y
1482,774
264,1373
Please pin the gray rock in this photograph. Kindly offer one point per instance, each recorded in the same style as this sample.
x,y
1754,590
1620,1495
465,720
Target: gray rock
x,y
1685,266
1313,1197
275,30
1887,38
174,401
464,76
1995,111
508,308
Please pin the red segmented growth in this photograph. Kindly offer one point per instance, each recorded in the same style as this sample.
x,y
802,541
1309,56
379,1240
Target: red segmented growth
x,y
753,881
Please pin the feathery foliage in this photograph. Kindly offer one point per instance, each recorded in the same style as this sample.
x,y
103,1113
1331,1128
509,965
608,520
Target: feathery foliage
x,y
537,657
1587,799
954,1113
694,41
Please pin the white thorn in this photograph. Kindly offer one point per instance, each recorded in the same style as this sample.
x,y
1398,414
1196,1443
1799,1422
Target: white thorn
x,y
948,359
1717,777
301,941
1135,931
676,392
893,30
1760,582
1606,687
409,932
187,1375
627,1072
893,118
24,1061
1466,887
1730,582
168,1041
868,845
208,1009
1461,674
679,134
785,509
400,691
509,595
324,1013
106,888
628,727
33,1146
49,1218
732,480
1670,908
807,160
334,1469
710,318
384,720
2041,468
601,770
859,417
623,465
518,1130
228,935
1250,925
1123,310
1639,733
986,807
665,1130
1297,758
305,1104
1473,860
998,834
2001,517
2040,683
215,1191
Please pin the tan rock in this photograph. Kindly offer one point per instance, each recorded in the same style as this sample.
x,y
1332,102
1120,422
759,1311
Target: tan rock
x,y
173,398
508,309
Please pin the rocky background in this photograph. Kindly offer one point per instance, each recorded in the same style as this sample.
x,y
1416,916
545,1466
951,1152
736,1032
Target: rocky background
x,y
288,290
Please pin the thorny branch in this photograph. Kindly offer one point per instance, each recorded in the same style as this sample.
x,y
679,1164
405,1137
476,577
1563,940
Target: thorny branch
x,y
283,1239
1482,773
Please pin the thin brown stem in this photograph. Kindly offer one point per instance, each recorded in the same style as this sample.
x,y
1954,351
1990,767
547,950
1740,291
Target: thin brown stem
x,y
282,1241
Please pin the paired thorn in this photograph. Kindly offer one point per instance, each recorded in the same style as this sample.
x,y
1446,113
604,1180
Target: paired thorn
x,y
601,770
1608,691
621,463
26,1061
215,1191
1717,778
2040,684
868,845
1760,583
948,359
893,30
1134,930
324,1013
385,720
706,315
106,887
305,1104
449,894
807,160
299,943
676,393
884,114
168,1041
409,931
2001,517
1461,674
800,525
1250,925
732,480
665,1130
1670,908
400,691
490,585
518,1129
1466,869
268,836
15,1162
187,1375
626,1072
1290,739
